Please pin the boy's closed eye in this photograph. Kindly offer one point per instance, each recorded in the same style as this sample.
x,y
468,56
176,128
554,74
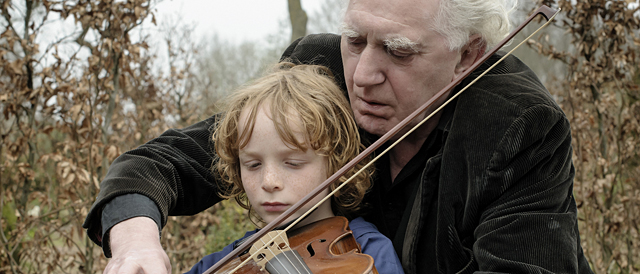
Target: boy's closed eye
x,y
295,163
252,165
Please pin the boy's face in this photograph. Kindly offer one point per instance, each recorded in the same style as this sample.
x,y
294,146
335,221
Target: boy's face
x,y
276,175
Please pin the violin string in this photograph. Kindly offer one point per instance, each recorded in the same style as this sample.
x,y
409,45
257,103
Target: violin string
x,y
340,186
301,261
295,255
268,247
287,256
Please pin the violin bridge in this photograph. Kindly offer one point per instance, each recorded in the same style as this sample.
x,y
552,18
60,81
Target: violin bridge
x,y
276,256
266,252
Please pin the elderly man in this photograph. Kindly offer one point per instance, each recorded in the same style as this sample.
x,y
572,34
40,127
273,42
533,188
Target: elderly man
x,y
483,186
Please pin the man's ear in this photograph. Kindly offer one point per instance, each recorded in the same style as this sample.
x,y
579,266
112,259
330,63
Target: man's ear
x,y
470,53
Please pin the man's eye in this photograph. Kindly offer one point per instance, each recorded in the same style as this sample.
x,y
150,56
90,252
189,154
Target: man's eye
x,y
355,44
354,40
399,54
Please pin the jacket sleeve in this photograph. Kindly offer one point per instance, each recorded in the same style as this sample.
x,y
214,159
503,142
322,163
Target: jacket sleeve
x,y
528,216
173,170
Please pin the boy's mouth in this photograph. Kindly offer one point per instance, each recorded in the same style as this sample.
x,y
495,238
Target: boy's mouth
x,y
274,206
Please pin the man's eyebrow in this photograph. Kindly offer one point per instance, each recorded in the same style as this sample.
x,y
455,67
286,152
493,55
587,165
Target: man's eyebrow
x,y
395,43
348,31
401,43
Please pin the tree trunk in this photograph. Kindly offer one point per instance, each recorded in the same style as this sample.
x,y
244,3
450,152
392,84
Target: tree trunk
x,y
298,19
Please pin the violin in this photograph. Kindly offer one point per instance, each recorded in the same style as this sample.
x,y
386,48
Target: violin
x,y
325,246
313,238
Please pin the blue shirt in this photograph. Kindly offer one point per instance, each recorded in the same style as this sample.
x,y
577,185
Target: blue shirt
x,y
372,242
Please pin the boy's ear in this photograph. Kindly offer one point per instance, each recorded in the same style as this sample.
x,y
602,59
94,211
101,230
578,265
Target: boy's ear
x,y
470,53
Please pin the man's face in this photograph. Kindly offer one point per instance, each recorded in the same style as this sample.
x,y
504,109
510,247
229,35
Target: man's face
x,y
393,60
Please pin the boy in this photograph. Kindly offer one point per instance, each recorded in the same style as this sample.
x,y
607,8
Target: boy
x,y
282,136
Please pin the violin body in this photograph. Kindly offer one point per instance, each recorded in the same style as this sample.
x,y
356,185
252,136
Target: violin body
x,y
325,246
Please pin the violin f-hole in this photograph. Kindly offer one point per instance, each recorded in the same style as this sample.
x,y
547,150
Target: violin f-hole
x,y
310,247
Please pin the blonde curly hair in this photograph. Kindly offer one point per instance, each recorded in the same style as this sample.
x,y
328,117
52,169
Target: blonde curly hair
x,y
310,92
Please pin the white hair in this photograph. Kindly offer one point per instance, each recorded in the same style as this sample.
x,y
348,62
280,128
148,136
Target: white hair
x,y
457,20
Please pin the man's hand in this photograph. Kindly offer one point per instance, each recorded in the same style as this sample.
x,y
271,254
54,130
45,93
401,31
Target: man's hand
x,y
135,248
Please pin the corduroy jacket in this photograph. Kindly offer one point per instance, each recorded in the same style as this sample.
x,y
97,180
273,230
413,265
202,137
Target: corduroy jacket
x,y
503,176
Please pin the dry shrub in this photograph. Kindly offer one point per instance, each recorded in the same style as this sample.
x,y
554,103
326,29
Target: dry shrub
x,y
68,109
601,97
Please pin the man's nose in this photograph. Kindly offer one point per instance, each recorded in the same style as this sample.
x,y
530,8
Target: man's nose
x,y
369,70
271,180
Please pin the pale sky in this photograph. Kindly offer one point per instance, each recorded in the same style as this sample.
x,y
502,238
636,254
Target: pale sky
x,y
233,20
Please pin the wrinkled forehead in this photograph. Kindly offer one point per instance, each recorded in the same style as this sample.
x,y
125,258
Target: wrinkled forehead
x,y
399,12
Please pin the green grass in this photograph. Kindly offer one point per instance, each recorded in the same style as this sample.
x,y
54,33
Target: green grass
x,y
234,223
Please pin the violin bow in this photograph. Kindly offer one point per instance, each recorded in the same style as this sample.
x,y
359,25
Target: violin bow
x,y
544,10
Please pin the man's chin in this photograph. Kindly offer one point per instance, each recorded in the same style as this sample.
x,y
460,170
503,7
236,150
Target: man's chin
x,y
375,126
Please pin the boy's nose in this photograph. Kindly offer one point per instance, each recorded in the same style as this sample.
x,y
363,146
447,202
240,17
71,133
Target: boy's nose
x,y
271,181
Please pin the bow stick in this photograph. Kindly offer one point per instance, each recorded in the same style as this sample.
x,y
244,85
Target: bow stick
x,y
544,10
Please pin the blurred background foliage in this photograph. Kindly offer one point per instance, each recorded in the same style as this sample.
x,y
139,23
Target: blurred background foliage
x,y
70,106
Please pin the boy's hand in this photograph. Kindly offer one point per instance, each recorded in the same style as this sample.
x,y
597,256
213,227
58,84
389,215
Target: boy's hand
x,y
135,248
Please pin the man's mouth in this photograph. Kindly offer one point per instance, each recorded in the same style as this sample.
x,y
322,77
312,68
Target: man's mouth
x,y
369,101
371,107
